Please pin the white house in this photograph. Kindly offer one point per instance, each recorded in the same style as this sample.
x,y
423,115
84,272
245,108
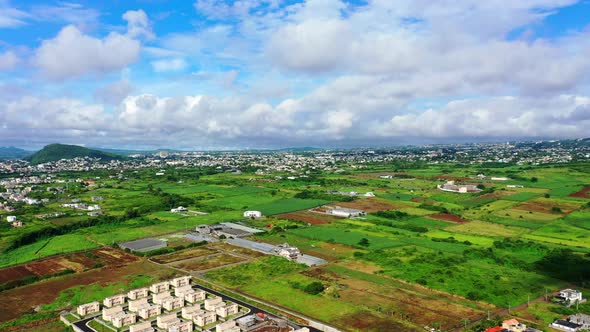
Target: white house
x,y
253,214
570,296
179,209
11,218
345,212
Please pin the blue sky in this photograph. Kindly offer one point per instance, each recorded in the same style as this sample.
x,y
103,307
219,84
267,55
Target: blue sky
x,y
209,74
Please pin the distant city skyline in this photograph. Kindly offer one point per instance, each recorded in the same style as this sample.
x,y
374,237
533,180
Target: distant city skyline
x,y
225,74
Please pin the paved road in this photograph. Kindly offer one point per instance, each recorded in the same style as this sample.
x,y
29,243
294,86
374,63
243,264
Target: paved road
x,y
252,308
82,324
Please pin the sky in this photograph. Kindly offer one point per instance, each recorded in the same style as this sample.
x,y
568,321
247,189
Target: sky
x,y
221,74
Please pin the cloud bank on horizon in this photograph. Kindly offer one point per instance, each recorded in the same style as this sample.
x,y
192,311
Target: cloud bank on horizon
x,y
275,73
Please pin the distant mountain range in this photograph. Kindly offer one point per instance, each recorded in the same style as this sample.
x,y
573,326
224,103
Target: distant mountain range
x,y
55,152
13,153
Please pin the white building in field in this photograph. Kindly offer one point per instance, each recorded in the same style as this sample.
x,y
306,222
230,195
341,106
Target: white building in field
x,y
180,281
150,311
123,319
204,317
139,293
11,218
450,186
135,305
109,313
179,209
345,212
570,296
88,308
160,287
164,321
253,214
114,300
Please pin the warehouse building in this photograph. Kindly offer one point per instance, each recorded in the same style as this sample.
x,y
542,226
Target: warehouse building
x,y
144,245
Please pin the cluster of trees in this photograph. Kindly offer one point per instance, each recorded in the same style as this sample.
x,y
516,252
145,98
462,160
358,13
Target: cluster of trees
x,y
312,288
169,200
392,215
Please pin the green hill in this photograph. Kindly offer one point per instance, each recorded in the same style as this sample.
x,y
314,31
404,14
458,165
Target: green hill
x,y
55,152
12,153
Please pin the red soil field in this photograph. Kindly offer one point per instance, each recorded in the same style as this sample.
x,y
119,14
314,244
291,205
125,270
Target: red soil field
x,y
448,217
78,262
584,193
308,217
14,273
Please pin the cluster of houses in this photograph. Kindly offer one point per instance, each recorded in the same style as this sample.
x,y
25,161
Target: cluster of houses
x,y
14,222
350,193
574,323
578,322
18,195
174,306
450,186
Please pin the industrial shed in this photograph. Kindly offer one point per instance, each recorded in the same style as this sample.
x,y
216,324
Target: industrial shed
x,y
144,245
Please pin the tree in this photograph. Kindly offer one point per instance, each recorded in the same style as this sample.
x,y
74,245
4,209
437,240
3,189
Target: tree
x,y
314,288
534,179
364,242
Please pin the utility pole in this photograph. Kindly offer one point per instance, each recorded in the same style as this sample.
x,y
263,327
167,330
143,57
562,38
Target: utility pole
x,y
488,315
528,302
545,294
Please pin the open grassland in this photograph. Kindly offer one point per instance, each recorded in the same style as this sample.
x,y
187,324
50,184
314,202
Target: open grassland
x,y
262,269
485,228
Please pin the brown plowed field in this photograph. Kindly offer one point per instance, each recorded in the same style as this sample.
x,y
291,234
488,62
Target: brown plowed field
x,y
209,262
78,262
372,204
14,273
183,254
448,217
584,193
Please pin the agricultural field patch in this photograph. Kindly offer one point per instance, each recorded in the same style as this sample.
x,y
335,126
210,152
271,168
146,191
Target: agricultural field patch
x,y
448,217
517,214
583,193
522,196
286,205
547,206
207,262
264,268
183,254
416,211
487,229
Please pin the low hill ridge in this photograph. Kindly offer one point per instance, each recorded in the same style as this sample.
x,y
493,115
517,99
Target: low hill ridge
x,y
55,152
